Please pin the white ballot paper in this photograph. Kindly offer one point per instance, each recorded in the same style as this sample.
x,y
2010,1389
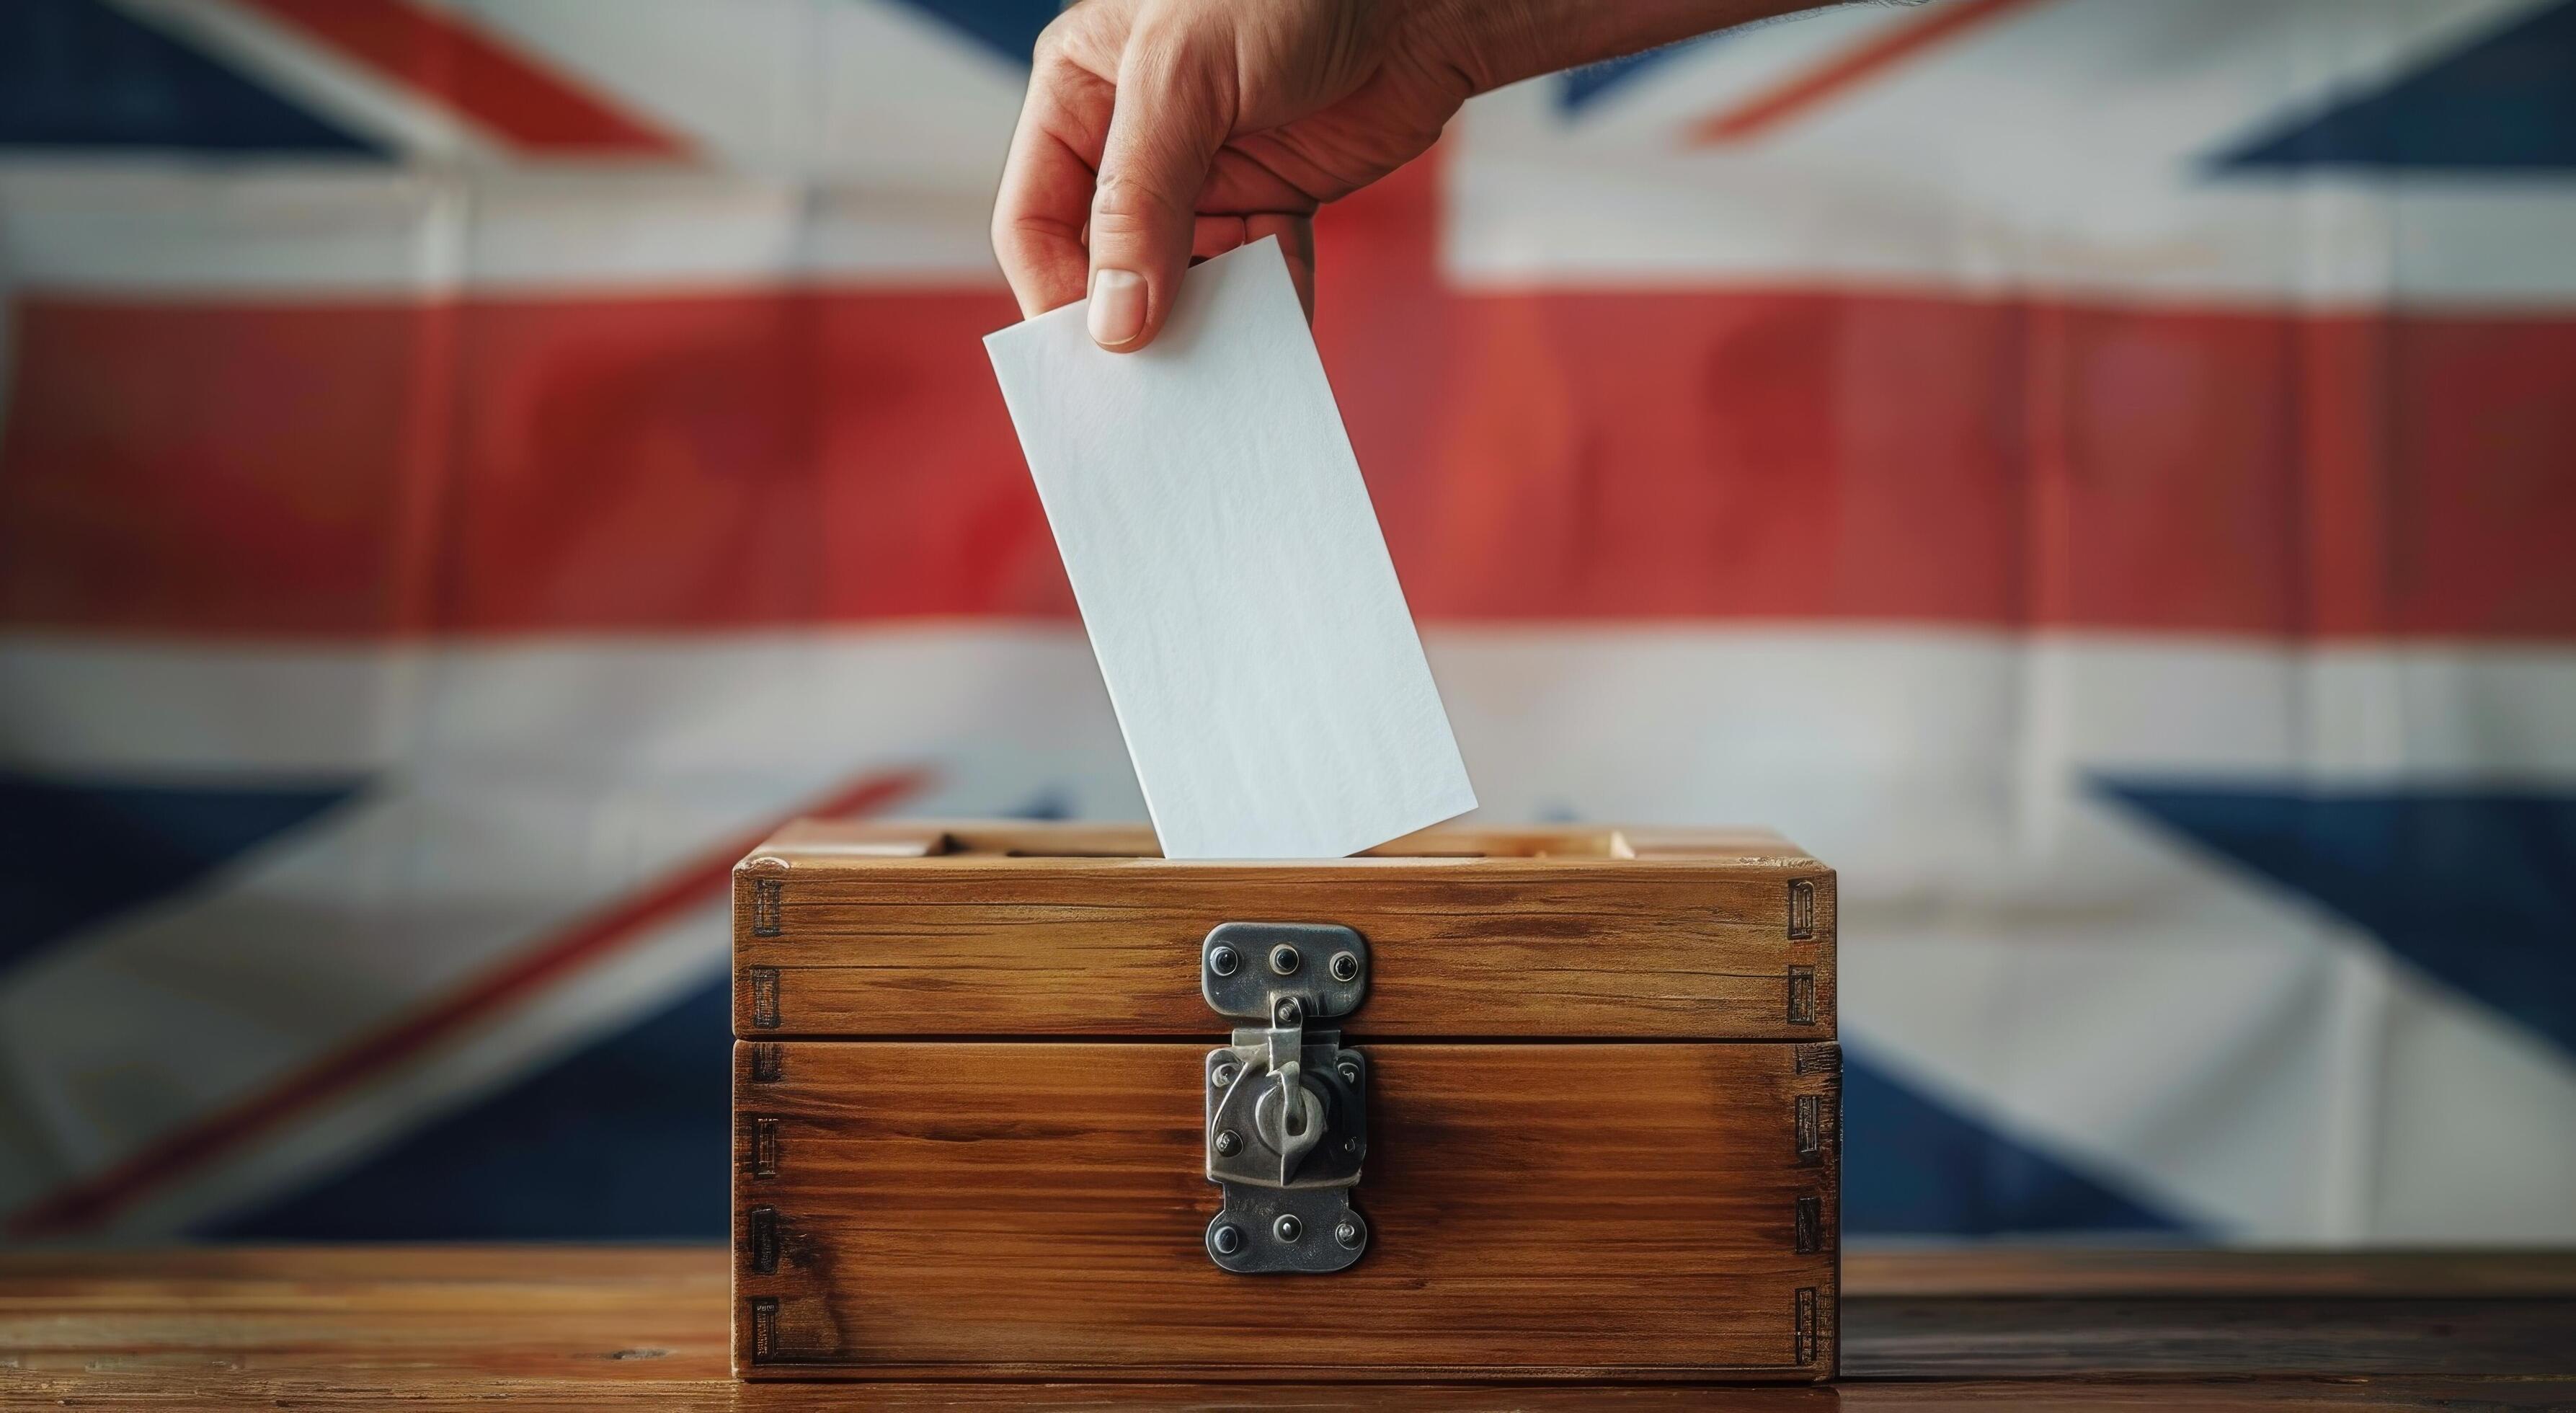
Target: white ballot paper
x,y
1230,570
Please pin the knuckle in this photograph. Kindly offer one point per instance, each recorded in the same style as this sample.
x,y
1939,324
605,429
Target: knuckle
x,y
1082,33
1122,227
1053,41
1122,199
1021,237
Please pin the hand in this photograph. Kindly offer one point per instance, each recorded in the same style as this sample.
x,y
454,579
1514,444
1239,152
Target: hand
x,y
1158,130
1210,124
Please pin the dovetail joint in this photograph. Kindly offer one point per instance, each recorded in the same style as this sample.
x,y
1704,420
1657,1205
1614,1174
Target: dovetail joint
x,y
1819,1059
764,997
1806,1325
765,897
764,1241
764,1328
1802,909
1811,1129
1802,995
768,1062
764,1148
1811,1225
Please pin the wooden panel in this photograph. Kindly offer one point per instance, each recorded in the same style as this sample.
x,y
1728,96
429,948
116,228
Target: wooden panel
x,y
446,1327
1036,1210
944,930
1955,1338
2201,1273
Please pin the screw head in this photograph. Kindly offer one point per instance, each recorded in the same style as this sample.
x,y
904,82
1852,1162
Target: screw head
x,y
1284,959
1346,966
1228,1143
1288,1228
1350,1072
1223,1078
1228,1240
1290,1013
1350,1145
1223,960
1347,1232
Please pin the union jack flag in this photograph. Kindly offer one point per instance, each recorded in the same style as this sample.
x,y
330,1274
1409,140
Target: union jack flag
x,y
2101,474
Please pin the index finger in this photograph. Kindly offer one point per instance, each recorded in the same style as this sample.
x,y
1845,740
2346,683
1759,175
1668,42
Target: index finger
x,y
1047,182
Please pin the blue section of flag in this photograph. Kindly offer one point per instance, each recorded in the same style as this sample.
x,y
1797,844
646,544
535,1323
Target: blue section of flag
x,y
82,74
627,1140
73,853
1913,1166
1577,89
2478,888
1053,802
1007,27
2503,103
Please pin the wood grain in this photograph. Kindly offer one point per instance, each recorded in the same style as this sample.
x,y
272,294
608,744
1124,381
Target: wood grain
x,y
2204,1274
1036,1210
1058,930
1921,1338
430,1329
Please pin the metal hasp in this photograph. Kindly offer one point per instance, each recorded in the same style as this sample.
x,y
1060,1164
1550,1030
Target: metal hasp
x,y
1287,1106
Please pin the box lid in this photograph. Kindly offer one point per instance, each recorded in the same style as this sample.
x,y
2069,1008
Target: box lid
x,y
1016,928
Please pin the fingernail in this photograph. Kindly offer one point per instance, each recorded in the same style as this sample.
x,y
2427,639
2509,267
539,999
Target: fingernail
x,y
1117,307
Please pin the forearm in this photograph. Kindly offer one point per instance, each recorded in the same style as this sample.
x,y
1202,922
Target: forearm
x,y
1504,41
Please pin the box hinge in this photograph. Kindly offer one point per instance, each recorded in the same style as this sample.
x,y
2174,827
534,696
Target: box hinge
x,y
1287,1111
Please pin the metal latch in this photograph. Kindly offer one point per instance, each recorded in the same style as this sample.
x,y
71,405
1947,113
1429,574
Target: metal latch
x,y
1287,1107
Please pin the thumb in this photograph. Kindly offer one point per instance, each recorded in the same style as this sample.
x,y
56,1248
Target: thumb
x,y
1165,128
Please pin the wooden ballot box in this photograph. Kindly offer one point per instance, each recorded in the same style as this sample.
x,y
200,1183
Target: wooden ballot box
x,y
1024,1101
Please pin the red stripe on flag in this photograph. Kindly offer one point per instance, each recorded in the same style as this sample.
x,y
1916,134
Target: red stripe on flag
x,y
95,1199
1816,86
446,57
803,456
731,462
496,467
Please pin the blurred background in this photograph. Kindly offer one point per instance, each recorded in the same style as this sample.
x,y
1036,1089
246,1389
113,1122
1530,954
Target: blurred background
x,y
2101,474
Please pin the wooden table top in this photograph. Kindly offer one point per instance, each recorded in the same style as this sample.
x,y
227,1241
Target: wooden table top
x,y
590,1327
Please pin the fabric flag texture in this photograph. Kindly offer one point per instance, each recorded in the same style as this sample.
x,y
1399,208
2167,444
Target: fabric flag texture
x,y
2101,474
